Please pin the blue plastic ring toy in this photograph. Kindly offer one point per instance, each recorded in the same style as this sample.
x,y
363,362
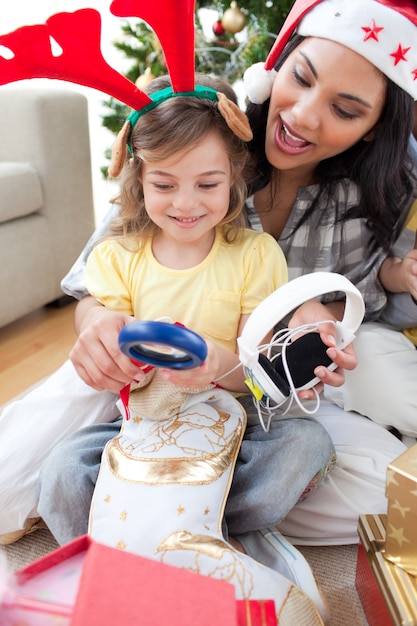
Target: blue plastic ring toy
x,y
162,344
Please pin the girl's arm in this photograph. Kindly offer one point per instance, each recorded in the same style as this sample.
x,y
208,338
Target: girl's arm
x,y
96,354
220,365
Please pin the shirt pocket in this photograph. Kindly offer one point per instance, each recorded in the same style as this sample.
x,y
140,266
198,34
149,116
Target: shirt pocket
x,y
221,314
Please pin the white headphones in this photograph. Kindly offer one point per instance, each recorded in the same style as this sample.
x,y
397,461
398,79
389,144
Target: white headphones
x,y
266,378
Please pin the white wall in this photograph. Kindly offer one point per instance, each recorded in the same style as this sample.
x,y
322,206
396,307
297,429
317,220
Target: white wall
x,y
24,12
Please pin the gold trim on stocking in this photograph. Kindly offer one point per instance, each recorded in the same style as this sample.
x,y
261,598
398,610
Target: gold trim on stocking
x,y
168,471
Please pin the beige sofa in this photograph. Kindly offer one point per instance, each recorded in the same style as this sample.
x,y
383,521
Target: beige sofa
x,y
46,198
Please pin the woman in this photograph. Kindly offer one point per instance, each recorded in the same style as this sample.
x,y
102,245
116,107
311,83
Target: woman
x,y
379,166
332,114
319,144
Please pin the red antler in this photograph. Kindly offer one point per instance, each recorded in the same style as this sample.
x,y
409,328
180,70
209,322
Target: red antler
x,y
81,60
173,23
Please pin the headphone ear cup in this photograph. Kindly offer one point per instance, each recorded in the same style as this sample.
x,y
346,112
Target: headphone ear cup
x,y
275,378
303,356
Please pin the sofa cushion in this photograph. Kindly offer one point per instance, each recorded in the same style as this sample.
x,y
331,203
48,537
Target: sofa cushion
x,y
20,190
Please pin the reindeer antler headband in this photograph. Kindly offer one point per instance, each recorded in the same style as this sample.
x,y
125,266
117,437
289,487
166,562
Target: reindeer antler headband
x,y
78,34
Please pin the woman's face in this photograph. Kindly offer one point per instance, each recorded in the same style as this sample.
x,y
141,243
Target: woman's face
x,y
325,98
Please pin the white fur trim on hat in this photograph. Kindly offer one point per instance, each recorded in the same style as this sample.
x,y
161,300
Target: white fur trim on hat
x,y
376,31
258,83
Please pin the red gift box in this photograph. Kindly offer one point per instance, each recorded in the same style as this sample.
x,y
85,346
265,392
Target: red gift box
x,y
104,586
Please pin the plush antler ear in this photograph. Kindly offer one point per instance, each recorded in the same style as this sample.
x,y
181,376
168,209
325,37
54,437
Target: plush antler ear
x,y
78,35
235,118
175,35
119,151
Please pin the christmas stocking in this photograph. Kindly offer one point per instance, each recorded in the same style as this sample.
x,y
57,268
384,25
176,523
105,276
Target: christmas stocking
x,y
161,494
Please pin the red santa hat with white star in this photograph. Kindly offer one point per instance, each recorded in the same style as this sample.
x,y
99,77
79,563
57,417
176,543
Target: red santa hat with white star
x,y
382,31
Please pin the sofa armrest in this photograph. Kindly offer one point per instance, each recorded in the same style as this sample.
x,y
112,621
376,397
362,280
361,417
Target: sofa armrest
x,y
49,128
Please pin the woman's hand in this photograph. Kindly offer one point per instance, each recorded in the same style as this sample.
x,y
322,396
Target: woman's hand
x,y
96,354
400,275
312,312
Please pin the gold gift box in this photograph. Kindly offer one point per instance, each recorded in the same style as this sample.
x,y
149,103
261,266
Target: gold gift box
x,y
388,593
401,491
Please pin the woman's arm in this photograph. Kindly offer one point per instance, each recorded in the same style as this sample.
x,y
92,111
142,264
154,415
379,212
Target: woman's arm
x,y
400,276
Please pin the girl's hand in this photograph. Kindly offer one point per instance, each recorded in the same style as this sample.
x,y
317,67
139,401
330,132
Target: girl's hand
x,y
218,363
96,354
312,312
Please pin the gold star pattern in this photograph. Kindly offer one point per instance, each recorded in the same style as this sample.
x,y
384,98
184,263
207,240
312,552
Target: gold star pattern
x,y
123,516
137,420
107,499
180,510
398,535
402,509
206,511
121,545
391,480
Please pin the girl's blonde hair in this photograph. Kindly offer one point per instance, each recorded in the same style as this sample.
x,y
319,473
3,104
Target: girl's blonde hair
x,y
174,125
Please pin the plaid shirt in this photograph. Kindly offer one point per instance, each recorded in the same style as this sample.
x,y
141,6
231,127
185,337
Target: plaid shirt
x,y
318,245
322,244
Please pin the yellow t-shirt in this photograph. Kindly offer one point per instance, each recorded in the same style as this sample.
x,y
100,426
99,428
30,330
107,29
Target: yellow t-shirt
x,y
208,298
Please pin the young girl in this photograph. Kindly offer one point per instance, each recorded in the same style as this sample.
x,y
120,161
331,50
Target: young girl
x,y
179,249
180,220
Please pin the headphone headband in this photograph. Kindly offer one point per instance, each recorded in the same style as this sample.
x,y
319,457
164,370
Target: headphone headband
x,y
291,295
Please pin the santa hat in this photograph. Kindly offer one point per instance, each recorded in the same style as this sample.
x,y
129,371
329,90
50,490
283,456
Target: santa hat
x,y
382,31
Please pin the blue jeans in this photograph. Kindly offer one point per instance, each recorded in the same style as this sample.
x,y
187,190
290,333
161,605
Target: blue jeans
x,y
272,473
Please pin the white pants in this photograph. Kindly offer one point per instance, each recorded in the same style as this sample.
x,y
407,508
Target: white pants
x,y
30,427
355,486
384,384
62,404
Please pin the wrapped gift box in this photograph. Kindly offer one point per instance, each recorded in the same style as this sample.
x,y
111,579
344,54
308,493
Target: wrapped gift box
x,y
388,593
401,541
89,584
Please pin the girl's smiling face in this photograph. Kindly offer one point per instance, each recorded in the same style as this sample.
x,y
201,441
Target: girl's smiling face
x,y
187,195
325,98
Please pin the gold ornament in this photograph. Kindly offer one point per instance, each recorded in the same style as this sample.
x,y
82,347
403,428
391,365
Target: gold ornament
x,y
144,79
234,20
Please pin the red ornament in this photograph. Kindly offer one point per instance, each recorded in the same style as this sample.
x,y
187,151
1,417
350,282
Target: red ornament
x,y
218,28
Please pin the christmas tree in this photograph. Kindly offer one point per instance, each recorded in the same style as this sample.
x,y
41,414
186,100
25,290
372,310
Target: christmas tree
x,y
240,35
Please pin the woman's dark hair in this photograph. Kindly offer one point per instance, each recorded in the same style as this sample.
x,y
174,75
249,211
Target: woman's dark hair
x,y
381,168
